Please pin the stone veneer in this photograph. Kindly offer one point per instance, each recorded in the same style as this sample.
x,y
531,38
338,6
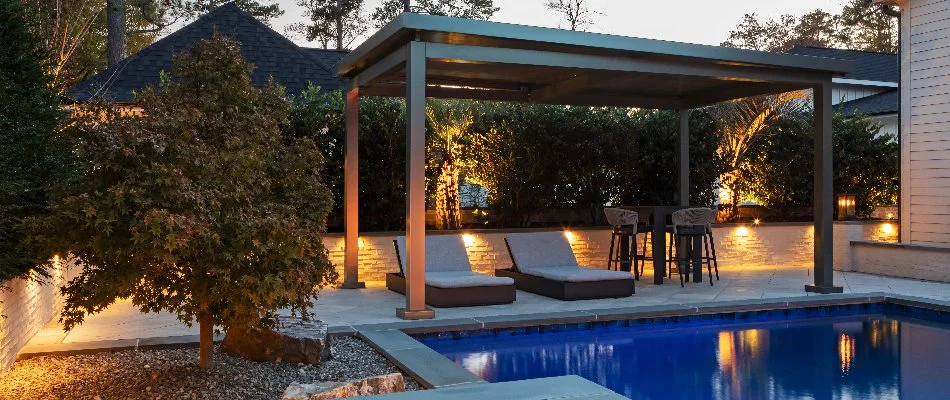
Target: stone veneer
x,y
27,307
737,246
903,260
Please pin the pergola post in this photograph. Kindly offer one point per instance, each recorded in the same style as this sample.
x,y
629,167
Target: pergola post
x,y
824,235
351,192
415,184
682,152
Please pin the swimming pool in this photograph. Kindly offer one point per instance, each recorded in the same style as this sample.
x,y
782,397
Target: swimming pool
x,y
850,352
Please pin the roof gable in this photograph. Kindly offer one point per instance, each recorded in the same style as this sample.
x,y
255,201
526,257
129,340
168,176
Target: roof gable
x,y
868,66
270,52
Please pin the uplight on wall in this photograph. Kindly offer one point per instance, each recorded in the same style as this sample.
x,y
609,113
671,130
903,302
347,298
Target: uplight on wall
x,y
469,239
887,228
742,231
569,235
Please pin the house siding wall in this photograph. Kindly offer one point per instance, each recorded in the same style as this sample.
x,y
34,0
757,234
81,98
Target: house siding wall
x,y
926,121
843,93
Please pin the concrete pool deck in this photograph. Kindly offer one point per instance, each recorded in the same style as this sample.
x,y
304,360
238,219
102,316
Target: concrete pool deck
x,y
343,309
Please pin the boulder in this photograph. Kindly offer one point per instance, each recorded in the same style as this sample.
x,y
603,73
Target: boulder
x,y
295,341
374,385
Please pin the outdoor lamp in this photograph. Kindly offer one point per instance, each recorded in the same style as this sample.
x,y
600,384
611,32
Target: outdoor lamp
x,y
846,207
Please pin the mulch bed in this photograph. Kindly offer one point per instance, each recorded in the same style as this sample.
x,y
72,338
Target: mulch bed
x,y
174,374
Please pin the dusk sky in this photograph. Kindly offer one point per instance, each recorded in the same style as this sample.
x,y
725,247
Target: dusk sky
x,y
693,21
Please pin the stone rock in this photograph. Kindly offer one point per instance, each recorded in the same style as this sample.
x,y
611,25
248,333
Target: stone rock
x,y
295,341
382,384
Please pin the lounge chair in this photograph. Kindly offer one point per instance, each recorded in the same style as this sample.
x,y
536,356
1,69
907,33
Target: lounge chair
x,y
450,281
544,263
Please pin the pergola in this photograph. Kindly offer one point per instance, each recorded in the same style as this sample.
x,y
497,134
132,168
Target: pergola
x,y
419,56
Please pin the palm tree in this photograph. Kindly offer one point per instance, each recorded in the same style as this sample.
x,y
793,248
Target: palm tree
x,y
742,122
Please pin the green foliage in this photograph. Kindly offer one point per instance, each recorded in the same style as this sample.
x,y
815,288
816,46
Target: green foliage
x,y
33,154
865,164
470,9
200,206
532,157
319,115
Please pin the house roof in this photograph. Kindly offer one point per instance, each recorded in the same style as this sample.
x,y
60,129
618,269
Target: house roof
x,y
878,104
271,54
868,66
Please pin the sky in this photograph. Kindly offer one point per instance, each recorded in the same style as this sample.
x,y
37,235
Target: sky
x,y
692,21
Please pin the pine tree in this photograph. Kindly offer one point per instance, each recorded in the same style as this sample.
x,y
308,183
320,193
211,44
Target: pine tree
x,y
32,154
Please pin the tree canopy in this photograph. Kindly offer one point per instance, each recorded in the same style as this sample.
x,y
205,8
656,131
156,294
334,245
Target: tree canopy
x,y
200,206
470,9
861,25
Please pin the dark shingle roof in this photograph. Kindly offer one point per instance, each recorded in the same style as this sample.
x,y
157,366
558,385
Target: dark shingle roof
x,y
868,66
878,104
329,57
271,53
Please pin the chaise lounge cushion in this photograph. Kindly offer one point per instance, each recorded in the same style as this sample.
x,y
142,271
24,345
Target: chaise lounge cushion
x,y
447,264
549,255
463,279
576,274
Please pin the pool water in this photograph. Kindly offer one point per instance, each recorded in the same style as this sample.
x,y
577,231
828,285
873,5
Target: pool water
x,y
868,356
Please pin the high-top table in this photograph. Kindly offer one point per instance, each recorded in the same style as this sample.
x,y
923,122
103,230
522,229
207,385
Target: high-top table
x,y
659,220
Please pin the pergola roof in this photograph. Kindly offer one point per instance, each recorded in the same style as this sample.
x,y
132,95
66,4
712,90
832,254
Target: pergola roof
x,y
497,61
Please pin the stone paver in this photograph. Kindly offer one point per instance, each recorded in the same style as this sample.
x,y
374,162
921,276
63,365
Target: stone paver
x,y
376,305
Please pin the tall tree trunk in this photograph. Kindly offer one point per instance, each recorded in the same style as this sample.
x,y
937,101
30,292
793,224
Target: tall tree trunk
x,y
339,25
206,336
116,43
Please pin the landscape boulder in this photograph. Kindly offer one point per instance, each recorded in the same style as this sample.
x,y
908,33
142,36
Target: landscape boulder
x,y
294,341
374,385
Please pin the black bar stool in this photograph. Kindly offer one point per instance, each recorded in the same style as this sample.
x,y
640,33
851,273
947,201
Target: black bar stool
x,y
692,225
624,223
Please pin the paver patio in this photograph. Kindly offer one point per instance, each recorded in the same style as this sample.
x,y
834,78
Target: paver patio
x,y
340,307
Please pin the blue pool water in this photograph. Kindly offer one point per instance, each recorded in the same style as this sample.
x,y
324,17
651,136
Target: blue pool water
x,y
864,356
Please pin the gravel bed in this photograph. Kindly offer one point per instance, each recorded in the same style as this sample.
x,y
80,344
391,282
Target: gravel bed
x,y
174,374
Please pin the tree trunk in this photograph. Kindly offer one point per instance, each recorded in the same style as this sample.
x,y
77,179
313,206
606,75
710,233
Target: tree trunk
x,y
206,332
116,43
339,25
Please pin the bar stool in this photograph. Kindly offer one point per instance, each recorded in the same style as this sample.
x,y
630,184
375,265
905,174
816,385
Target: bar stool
x,y
624,223
711,242
691,224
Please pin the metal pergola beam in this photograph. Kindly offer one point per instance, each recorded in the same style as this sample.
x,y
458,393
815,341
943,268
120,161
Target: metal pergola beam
x,y
540,58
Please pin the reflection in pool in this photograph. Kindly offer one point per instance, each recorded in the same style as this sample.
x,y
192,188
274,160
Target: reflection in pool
x,y
855,357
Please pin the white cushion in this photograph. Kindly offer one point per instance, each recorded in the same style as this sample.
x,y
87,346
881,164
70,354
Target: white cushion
x,y
541,250
443,253
460,279
576,274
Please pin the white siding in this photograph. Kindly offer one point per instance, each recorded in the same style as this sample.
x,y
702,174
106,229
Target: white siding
x,y
843,93
889,124
926,120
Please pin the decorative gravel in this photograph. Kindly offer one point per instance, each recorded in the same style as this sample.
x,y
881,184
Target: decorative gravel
x,y
174,374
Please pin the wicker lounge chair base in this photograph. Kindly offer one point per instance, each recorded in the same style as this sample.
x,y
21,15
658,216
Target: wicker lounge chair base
x,y
563,290
457,296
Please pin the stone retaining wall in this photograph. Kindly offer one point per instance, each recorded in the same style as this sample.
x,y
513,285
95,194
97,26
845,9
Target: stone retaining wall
x,y
737,246
930,263
27,307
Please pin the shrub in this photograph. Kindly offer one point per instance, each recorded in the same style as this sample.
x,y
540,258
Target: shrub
x,y
199,207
